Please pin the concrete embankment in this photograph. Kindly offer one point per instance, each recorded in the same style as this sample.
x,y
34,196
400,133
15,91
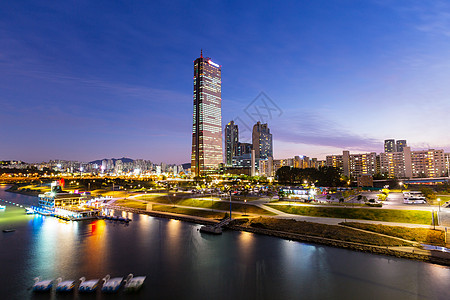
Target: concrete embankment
x,y
436,257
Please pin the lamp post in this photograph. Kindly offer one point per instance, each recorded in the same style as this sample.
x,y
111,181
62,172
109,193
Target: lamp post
x,y
439,203
245,207
230,204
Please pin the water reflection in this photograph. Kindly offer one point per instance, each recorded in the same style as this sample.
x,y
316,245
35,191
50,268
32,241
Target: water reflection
x,y
181,262
96,247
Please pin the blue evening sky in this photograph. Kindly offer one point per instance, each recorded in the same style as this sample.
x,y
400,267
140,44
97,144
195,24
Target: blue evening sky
x,y
85,80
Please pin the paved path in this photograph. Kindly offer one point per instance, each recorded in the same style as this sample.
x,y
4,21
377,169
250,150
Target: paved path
x,y
282,215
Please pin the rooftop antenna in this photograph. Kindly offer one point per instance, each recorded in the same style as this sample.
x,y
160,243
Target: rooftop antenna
x,y
201,53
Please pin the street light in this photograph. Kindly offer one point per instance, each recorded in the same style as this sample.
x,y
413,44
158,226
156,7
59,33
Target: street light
x,y
439,202
245,207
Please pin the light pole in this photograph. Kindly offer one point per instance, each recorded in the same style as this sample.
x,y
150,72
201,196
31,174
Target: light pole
x,y
230,204
439,203
245,207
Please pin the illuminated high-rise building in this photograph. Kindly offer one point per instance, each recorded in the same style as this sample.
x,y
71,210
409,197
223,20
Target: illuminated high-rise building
x,y
207,117
262,141
389,146
399,145
231,142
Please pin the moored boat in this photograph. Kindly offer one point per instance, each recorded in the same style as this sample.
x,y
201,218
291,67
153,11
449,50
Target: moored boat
x,y
211,229
134,283
65,286
42,285
112,285
89,285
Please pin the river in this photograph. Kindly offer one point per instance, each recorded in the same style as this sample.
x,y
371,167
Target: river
x,y
182,263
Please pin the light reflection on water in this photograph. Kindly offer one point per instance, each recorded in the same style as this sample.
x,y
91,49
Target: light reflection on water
x,y
181,262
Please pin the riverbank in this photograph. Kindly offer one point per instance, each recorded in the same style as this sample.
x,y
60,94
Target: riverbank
x,y
400,249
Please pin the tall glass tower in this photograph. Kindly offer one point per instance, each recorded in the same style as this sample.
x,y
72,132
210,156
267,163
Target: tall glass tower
x,y
231,142
262,141
207,118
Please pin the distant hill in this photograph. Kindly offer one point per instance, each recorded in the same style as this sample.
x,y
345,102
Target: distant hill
x,y
123,159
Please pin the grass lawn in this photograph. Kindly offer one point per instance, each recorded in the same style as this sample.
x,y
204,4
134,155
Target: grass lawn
x,y
421,235
131,204
323,230
207,203
387,215
191,212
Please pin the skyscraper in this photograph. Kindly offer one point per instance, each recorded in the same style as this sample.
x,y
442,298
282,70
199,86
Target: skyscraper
x,y
262,141
389,146
231,142
207,117
399,145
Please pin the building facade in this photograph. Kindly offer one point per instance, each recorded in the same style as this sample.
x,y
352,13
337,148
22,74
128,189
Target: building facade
x,y
262,141
399,145
231,142
207,117
428,163
389,146
354,165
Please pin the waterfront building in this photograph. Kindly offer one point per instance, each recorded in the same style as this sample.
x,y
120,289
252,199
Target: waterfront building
x,y
389,146
207,117
262,141
231,142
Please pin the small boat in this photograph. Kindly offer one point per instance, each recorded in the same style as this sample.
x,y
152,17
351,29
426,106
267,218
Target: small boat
x,y
112,285
42,285
9,230
64,286
2,207
211,229
134,283
29,211
88,286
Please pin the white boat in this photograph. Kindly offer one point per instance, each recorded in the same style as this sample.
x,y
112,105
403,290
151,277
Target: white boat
x,y
2,206
42,285
134,283
112,285
29,211
64,286
89,285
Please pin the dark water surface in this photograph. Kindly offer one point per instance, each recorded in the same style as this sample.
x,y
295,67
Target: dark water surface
x,y
182,263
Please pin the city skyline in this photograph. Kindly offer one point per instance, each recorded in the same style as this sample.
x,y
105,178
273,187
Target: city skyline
x,y
75,85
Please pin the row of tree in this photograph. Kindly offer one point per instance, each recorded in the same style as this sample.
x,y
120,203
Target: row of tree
x,y
324,176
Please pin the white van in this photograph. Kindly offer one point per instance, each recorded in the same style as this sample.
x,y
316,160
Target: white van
x,y
414,200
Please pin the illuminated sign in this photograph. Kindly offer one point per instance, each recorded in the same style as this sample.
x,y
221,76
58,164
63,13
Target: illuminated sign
x,y
214,64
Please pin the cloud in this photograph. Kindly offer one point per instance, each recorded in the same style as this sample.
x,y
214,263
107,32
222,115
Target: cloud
x,y
316,130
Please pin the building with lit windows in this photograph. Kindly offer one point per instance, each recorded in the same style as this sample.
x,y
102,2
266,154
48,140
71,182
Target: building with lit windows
x,y
399,145
396,164
389,146
207,117
354,165
231,142
262,141
428,163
